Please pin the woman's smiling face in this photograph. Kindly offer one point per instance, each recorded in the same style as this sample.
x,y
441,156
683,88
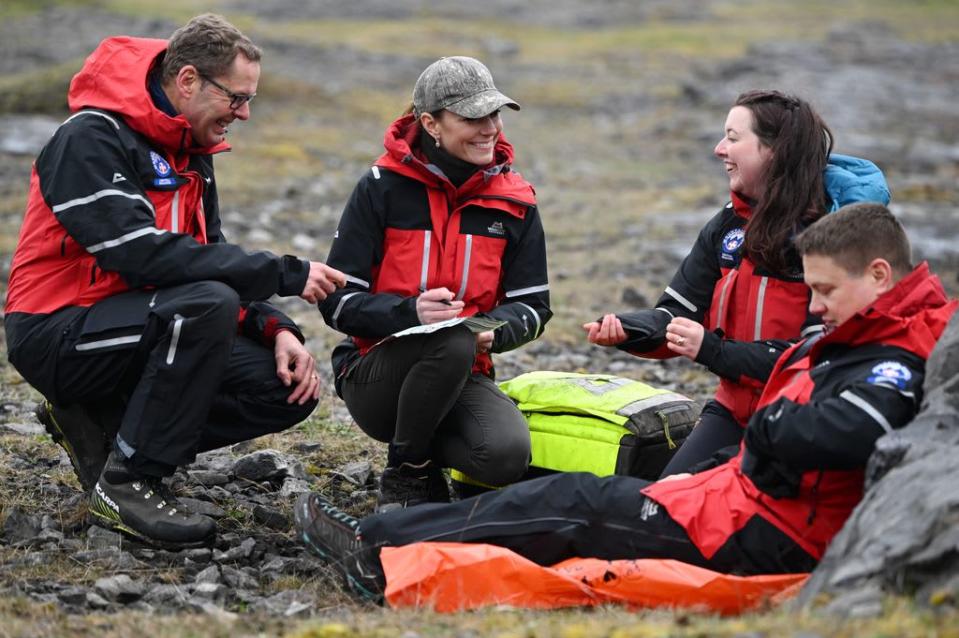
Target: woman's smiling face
x,y
743,154
471,140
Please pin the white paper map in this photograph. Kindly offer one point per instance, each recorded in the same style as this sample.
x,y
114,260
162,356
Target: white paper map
x,y
475,324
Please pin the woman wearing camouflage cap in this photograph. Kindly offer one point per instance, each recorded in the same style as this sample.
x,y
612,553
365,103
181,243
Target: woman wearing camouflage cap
x,y
440,227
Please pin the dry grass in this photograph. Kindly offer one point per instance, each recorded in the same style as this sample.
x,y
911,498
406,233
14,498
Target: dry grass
x,y
302,134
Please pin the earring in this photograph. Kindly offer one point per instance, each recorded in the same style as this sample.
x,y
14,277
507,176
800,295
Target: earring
x,y
437,142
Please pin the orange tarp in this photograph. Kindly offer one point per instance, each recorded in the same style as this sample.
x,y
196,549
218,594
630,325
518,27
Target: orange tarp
x,y
449,577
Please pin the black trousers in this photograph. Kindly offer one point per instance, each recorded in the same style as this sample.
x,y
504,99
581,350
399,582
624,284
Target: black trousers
x,y
172,359
418,393
717,428
553,518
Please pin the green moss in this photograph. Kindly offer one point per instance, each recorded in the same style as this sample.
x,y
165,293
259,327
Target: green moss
x,y
40,91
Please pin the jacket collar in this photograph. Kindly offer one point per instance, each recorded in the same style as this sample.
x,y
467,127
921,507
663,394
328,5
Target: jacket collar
x,y
911,316
404,156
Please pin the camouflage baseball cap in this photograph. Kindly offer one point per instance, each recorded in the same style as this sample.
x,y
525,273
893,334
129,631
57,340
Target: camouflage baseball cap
x,y
459,84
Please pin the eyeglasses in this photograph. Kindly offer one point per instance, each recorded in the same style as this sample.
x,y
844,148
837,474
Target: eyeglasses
x,y
236,99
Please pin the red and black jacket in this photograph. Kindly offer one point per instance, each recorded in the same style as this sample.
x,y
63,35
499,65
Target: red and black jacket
x,y
829,398
121,199
749,313
406,229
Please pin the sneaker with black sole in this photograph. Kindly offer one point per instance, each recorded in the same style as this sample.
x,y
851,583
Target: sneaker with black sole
x,y
405,485
334,536
83,439
144,508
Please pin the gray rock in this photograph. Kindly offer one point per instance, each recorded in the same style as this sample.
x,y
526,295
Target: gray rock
x,y
20,526
357,472
262,465
857,603
24,429
166,595
208,477
240,552
199,555
293,486
215,461
206,592
120,588
307,447
272,518
285,603
275,565
73,596
101,538
209,575
111,558
203,507
904,535
96,601
50,535
48,522
238,579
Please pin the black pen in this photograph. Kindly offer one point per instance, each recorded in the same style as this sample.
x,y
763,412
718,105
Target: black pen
x,y
445,302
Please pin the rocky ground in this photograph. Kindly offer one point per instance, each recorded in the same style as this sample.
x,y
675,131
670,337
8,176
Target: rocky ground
x,y
623,102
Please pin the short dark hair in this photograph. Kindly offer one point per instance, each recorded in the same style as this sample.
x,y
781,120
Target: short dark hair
x,y
209,43
855,235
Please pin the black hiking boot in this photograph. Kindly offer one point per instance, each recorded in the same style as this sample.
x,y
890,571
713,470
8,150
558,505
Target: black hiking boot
x,y
84,440
143,507
405,486
438,490
334,536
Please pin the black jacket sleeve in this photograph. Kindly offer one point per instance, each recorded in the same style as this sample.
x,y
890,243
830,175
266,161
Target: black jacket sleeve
x,y
261,322
356,248
837,429
740,360
525,308
115,220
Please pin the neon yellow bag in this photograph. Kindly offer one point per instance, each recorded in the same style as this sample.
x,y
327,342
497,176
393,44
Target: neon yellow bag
x,y
599,423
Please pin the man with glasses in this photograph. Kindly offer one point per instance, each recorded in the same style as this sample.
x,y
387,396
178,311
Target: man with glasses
x,y
145,330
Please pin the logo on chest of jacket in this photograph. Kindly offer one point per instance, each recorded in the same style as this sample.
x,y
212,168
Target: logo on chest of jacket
x,y
160,165
732,242
496,228
890,373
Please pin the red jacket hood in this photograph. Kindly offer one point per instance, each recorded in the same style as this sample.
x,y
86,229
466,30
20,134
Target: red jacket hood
x,y
114,78
911,316
497,180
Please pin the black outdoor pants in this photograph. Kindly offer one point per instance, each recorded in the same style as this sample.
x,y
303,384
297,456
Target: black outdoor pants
x,y
173,358
562,516
418,393
716,429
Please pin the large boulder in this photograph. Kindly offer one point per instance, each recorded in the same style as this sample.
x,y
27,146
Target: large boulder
x,y
904,536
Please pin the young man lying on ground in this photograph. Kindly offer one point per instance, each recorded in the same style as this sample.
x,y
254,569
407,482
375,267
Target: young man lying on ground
x,y
776,503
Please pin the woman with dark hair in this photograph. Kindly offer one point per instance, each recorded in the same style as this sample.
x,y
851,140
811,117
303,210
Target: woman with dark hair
x,y
738,299
441,227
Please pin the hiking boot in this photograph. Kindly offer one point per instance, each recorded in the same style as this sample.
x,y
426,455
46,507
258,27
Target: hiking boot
x,y
84,440
405,486
334,536
136,505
